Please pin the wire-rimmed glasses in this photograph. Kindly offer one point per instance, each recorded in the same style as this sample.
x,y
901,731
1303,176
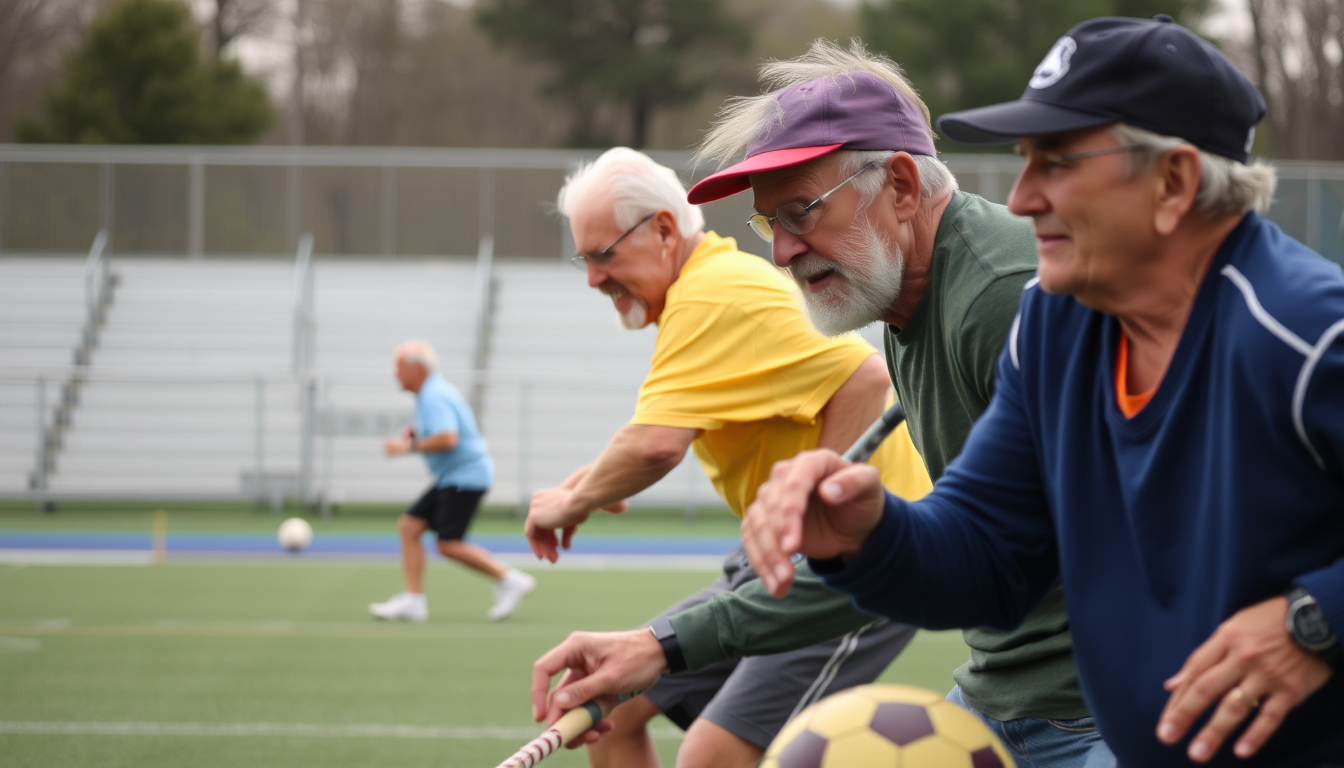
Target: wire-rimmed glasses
x,y
603,257
796,218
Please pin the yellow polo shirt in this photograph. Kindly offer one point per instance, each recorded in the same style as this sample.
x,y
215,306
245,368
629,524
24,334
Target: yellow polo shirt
x,y
737,358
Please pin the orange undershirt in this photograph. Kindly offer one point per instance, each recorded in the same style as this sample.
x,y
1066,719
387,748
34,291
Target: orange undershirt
x,y
1129,404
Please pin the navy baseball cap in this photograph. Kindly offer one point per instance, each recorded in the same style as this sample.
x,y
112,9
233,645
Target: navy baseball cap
x,y
1155,75
858,111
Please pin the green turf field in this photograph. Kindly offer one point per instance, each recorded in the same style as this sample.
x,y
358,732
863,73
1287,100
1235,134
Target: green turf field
x,y
275,663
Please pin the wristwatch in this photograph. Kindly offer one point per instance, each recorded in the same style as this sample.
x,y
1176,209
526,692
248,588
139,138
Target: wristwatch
x,y
1309,628
666,636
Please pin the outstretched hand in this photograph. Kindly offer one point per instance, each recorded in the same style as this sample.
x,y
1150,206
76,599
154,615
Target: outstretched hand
x,y
597,665
552,510
1249,668
815,503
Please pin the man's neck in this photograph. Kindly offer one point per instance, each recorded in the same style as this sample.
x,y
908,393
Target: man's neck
x,y
918,257
1155,303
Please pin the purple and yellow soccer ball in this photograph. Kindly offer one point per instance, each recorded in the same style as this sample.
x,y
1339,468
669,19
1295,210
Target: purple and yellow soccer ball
x,y
892,726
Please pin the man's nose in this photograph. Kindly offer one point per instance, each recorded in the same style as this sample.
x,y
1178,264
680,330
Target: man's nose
x,y
786,246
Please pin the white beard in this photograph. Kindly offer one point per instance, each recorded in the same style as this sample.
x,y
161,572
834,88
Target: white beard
x,y
872,267
636,317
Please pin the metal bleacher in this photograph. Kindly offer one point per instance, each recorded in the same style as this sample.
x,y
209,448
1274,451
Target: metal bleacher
x,y
42,314
168,407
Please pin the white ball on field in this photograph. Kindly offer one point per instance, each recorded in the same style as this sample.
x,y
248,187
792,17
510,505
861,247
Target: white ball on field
x,y
295,534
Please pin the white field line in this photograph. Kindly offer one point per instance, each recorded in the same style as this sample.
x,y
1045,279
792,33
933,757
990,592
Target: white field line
x,y
268,629
76,557
289,730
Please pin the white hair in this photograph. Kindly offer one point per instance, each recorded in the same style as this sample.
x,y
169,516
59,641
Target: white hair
x,y
934,177
418,352
1226,187
636,185
744,119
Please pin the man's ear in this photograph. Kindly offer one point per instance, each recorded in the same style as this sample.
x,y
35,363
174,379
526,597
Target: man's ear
x,y
903,182
664,224
1176,180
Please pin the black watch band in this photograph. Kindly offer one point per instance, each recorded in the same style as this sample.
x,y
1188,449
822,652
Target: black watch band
x,y
1309,628
667,639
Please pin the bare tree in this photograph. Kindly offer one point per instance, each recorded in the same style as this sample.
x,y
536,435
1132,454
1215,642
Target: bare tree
x,y
1297,53
236,18
34,34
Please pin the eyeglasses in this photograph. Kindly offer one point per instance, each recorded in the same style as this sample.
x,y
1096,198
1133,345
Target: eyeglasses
x,y
795,217
603,257
1068,158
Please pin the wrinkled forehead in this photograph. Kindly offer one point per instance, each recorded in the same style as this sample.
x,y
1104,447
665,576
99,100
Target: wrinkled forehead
x,y
594,218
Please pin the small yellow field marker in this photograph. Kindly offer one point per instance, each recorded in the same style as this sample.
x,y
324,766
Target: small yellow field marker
x,y
160,536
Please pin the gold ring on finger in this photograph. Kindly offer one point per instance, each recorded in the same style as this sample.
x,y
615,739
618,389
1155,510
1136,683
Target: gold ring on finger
x,y
1250,701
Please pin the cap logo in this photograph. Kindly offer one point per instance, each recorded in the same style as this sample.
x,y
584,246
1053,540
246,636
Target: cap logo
x,y
1055,64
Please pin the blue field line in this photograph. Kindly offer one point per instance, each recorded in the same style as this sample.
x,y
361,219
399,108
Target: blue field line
x,y
354,543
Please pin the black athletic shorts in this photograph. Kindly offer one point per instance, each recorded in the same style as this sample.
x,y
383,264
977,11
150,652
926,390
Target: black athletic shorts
x,y
448,510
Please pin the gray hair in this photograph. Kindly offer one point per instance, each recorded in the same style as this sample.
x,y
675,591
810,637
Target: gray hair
x,y
744,119
934,177
418,352
637,186
1226,187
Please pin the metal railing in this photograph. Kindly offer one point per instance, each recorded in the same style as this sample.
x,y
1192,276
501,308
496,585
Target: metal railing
x,y
200,201
305,324
269,437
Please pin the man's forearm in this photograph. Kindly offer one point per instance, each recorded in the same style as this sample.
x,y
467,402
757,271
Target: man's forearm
x,y
749,622
637,457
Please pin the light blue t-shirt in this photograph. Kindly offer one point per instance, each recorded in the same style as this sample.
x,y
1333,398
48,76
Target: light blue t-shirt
x,y
439,407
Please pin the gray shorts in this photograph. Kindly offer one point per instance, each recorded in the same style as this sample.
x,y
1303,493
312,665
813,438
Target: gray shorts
x,y
754,697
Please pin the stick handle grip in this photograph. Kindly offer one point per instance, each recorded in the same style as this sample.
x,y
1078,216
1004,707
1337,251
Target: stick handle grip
x,y
574,722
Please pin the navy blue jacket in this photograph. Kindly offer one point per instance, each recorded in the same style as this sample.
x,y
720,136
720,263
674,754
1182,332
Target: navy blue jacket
x,y
1227,488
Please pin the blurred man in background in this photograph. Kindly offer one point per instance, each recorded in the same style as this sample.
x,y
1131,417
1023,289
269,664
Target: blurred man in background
x,y
445,434
739,374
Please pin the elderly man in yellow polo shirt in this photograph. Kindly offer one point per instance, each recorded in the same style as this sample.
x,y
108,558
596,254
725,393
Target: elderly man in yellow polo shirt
x,y
739,374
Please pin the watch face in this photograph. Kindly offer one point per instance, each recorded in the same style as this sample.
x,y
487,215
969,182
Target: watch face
x,y
1310,625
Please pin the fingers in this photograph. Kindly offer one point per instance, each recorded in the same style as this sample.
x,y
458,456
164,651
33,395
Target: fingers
x,y
542,542
543,669
817,504
1201,682
1249,669
772,532
1273,710
1235,706
616,507
568,536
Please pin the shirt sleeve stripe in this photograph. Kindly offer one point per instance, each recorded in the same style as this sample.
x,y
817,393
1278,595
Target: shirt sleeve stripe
x,y
1261,314
1304,378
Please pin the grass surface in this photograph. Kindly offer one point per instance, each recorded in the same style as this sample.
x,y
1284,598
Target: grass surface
x,y
99,664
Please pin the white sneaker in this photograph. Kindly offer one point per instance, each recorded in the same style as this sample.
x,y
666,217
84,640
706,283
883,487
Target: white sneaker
x,y
401,607
509,592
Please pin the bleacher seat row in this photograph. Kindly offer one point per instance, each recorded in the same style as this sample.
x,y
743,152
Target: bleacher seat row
x,y
191,389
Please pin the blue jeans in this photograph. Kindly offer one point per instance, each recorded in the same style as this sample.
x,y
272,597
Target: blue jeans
x,y
1036,742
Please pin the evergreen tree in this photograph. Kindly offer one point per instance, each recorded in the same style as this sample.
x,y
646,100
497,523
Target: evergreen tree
x,y
962,54
138,78
637,54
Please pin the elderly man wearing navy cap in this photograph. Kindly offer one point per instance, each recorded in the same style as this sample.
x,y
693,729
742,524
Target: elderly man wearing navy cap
x,y
1167,429
870,224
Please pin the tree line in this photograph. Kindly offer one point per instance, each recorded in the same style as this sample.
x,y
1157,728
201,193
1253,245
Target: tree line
x,y
554,73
